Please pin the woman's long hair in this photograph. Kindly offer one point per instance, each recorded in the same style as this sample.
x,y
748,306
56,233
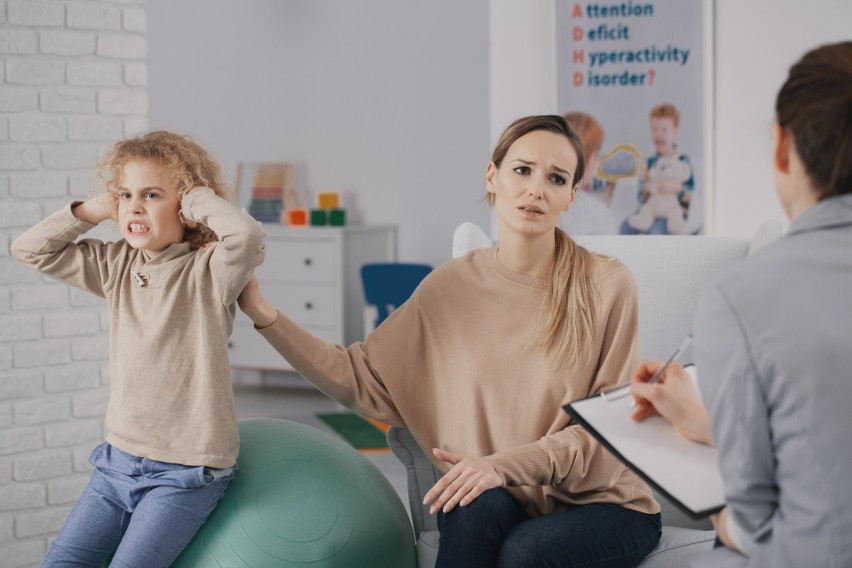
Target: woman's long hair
x,y
566,321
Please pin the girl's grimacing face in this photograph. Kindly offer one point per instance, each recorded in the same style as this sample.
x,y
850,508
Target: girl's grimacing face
x,y
535,183
663,135
148,207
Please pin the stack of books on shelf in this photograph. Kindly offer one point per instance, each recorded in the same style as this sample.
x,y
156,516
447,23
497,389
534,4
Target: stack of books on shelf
x,y
268,190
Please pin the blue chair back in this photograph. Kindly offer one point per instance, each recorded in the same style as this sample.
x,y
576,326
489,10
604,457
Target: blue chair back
x,y
388,285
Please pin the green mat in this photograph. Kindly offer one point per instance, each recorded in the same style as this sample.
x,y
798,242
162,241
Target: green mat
x,y
360,433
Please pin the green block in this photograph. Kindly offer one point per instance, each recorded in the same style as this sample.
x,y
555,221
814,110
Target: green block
x,y
337,217
319,217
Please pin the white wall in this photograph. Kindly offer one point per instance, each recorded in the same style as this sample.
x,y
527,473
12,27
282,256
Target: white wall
x,y
756,42
382,100
522,57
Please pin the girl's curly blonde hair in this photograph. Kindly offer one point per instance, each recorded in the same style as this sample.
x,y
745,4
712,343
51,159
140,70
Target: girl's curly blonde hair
x,y
190,164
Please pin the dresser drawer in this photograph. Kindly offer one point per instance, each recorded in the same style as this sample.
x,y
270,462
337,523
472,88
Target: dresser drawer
x,y
300,260
248,349
312,274
306,305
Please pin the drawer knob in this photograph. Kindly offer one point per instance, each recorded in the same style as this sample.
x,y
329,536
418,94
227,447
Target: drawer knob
x,y
309,305
308,262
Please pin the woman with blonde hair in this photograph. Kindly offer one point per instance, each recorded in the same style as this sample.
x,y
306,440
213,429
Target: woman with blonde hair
x,y
479,361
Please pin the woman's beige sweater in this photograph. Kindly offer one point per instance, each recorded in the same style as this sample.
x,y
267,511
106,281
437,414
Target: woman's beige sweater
x,y
453,365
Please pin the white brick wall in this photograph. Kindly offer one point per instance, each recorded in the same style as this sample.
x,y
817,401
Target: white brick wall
x,y
16,99
73,76
68,100
67,43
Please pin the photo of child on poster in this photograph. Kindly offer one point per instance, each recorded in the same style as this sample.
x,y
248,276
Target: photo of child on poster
x,y
630,82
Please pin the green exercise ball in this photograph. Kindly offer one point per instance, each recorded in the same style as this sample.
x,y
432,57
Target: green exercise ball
x,y
302,498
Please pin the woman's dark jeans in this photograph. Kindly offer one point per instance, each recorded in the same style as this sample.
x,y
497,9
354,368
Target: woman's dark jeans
x,y
494,530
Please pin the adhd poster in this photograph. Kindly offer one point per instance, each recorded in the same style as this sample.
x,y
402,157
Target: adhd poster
x,y
630,79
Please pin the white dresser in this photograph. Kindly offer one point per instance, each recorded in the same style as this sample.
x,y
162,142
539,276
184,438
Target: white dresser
x,y
312,274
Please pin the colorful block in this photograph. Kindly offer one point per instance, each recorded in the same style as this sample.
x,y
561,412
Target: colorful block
x,y
319,217
328,200
297,217
337,217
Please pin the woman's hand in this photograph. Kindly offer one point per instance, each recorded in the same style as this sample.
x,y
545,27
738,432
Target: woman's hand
x,y
96,210
720,523
674,397
255,305
467,479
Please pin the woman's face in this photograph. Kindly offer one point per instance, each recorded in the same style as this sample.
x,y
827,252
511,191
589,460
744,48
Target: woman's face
x,y
535,183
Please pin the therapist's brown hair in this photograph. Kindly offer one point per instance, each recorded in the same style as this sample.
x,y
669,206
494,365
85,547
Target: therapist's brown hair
x,y
815,107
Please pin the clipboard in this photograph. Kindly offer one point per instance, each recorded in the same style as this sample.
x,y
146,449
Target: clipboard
x,y
686,472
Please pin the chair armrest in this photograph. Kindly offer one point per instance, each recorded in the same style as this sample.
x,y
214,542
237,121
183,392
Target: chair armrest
x,y
421,475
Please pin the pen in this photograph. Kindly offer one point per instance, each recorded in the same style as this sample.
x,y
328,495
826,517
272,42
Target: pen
x,y
656,376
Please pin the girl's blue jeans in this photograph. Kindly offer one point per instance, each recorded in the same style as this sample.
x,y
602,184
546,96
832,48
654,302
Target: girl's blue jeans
x,y
494,530
142,510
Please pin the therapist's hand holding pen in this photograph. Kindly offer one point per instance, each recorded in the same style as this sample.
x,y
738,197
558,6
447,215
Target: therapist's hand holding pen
x,y
674,397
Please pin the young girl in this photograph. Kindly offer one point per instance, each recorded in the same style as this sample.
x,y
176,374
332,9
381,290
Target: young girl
x,y
479,362
170,285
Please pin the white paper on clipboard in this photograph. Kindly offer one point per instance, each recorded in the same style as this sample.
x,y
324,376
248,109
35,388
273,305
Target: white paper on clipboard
x,y
687,472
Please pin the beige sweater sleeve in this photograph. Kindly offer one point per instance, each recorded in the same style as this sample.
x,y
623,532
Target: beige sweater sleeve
x,y
571,459
343,373
241,246
50,248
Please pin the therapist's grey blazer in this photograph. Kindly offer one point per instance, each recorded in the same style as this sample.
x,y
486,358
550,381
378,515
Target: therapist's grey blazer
x,y
773,346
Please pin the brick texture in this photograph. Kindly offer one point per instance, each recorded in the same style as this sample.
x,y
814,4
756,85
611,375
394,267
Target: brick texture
x,y
67,43
17,99
74,82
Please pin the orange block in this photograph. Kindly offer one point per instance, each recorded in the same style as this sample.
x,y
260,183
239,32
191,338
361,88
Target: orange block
x,y
328,200
297,217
